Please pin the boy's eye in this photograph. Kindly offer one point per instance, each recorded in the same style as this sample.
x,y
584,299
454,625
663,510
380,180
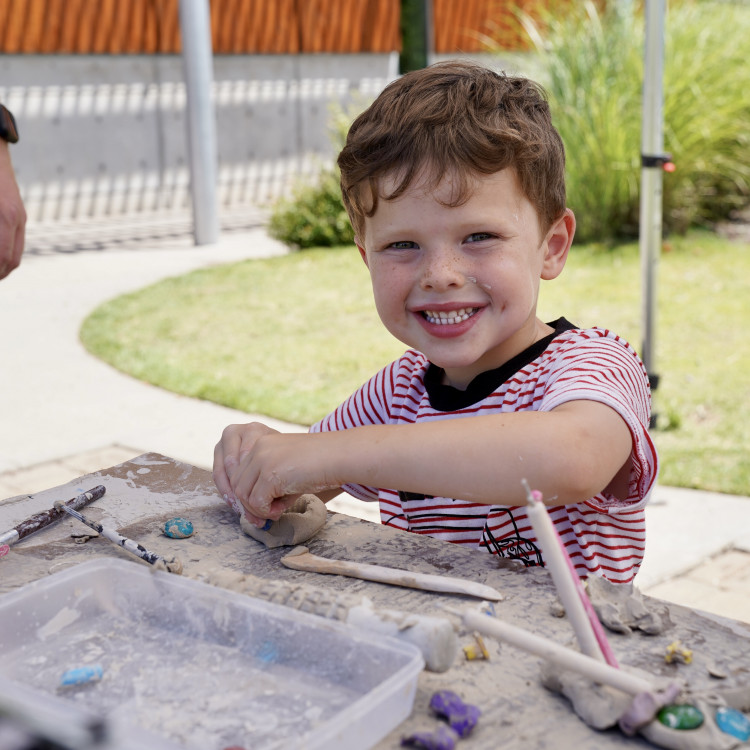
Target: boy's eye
x,y
479,237
403,245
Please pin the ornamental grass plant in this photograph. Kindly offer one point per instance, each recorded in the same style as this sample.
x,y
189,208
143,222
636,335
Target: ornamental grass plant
x,y
590,61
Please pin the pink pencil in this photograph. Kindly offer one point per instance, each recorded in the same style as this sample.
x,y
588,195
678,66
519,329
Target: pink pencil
x,y
578,607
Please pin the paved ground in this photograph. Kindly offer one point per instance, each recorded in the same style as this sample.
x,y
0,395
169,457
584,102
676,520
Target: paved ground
x,y
65,413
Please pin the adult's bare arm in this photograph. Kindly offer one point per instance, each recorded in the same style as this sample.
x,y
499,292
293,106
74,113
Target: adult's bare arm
x,y
12,215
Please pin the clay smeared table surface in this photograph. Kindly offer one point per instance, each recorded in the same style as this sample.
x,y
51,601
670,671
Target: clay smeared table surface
x,y
516,710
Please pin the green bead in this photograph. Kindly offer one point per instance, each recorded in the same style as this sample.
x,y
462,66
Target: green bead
x,y
680,716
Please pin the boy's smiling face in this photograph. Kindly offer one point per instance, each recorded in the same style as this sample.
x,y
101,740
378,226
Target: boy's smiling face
x,y
461,284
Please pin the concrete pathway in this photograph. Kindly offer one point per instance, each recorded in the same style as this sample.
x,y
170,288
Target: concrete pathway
x,y
65,413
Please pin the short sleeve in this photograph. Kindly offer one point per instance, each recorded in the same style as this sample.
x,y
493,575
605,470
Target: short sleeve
x,y
604,368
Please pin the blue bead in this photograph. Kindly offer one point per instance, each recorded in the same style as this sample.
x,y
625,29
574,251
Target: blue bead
x,y
82,675
733,722
178,528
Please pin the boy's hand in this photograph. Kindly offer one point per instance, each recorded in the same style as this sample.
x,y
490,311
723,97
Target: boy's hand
x,y
233,448
261,471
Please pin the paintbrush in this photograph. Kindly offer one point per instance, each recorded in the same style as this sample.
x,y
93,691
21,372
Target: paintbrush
x,y
173,565
44,519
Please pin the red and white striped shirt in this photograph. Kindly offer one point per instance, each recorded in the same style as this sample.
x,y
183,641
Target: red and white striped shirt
x,y
604,536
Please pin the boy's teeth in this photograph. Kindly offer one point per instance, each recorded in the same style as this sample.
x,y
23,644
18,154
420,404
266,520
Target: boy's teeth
x,y
450,317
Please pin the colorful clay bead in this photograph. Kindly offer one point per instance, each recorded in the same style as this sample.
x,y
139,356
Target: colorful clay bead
x,y
733,722
680,716
82,675
178,528
268,653
441,739
462,717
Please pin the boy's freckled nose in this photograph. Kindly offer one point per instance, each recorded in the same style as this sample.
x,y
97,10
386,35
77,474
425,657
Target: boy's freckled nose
x,y
442,274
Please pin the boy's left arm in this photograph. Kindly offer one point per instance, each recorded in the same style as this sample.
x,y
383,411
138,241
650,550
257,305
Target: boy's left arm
x,y
570,454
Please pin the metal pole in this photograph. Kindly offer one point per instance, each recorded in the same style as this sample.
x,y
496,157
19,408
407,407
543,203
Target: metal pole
x,y
417,33
195,25
652,170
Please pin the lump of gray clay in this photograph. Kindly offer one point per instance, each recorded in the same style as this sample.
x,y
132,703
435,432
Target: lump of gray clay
x,y
297,524
622,608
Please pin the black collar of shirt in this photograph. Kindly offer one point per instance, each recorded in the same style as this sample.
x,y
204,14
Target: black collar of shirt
x,y
447,398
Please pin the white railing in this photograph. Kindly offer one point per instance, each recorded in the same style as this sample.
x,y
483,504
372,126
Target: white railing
x,y
106,136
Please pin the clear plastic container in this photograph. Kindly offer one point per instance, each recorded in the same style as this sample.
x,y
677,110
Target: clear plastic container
x,y
188,665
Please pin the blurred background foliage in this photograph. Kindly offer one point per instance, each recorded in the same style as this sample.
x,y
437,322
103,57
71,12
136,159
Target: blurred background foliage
x,y
590,60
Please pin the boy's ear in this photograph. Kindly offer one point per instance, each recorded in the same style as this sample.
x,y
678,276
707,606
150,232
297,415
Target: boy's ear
x,y
361,249
558,241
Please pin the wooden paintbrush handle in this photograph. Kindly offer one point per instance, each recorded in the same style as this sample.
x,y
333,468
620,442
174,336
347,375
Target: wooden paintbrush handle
x,y
44,519
301,559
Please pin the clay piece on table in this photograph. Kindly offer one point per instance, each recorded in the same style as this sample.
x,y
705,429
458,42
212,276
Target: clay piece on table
x,y
707,736
599,706
81,675
476,650
297,524
178,528
81,537
171,565
675,651
602,707
441,739
462,717
622,608
680,716
733,722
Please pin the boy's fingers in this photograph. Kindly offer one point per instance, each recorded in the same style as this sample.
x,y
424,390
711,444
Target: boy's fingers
x,y
231,441
230,465
261,523
221,480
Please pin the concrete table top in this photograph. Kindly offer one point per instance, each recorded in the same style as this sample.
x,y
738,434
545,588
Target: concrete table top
x,y
517,711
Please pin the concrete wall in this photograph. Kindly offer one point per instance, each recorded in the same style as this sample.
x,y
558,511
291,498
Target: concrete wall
x,y
106,136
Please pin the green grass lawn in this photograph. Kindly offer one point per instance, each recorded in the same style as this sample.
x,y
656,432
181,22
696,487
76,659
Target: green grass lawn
x,y
291,337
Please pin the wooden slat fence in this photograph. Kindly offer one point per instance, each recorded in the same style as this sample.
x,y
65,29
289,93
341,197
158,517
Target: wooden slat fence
x,y
238,26
473,25
250,26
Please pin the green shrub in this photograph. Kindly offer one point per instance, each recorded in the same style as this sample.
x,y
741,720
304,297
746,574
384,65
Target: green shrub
x,y
591,64
314,214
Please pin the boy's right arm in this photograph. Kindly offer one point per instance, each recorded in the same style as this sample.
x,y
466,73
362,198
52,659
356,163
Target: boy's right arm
x,y
569,454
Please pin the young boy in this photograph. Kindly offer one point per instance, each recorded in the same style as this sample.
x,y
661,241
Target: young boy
x,y
454,182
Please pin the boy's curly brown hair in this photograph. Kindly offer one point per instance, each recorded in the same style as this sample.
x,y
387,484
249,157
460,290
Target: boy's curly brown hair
x,y
460,119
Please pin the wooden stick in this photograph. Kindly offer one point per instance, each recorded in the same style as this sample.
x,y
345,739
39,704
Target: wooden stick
x,y
44,519
594,669
301,559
